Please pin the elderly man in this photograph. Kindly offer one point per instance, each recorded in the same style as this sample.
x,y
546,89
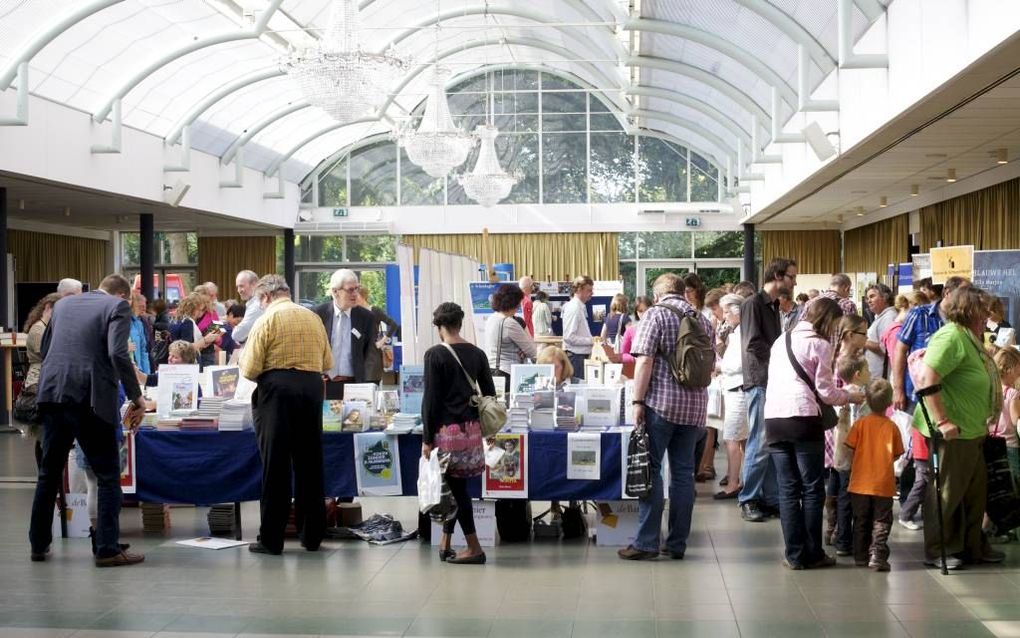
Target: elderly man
x,y
839,291
880,303
286,354
213,291
674,417
527,285
351,329
68,287
245,283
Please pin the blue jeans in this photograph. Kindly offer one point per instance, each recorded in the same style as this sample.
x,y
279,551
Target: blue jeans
x,y
800,470
665,437
757,475
838,486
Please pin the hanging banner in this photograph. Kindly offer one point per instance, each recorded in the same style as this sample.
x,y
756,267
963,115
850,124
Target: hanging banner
x,y
377,461
509,478
952,261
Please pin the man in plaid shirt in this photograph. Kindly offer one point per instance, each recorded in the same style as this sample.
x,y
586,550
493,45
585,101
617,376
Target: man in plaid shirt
x,y
674,417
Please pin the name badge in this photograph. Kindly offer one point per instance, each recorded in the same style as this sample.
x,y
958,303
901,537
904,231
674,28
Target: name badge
x,y
354,331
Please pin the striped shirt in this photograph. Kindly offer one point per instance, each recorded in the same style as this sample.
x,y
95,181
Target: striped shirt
x,y
286,337
656,337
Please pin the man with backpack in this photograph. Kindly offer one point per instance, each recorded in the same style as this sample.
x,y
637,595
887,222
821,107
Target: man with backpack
x,y
760,326
673,348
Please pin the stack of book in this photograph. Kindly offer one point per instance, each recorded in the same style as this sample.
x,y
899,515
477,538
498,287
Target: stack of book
x,y
210,407
517,418
198,423
155,517
221,520
543,411
566,415
167,424
403,423
235,416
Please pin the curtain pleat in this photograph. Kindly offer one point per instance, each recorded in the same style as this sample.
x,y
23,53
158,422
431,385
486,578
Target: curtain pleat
x,y
221,258
986,219
47,257
873,247
815,251
559,256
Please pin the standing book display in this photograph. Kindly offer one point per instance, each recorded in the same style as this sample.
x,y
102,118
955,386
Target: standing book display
x,y
509,477
177,392
377,464
412,388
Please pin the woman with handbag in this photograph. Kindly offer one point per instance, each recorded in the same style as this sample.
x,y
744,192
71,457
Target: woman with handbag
x,y
798,410
25,408
507,343
451,422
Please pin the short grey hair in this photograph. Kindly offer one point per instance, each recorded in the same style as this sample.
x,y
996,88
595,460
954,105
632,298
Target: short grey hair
x,y
341,277
69,287
730,300
249,275
840,280
210,287
273,285
668,283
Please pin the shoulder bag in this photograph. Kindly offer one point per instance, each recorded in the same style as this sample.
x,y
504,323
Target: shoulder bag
x,y
491,412
826,411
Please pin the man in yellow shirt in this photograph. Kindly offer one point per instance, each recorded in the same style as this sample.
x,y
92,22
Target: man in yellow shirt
x,y
286,354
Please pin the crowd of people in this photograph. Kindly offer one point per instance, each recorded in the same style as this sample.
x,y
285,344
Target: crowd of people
x,y
800,401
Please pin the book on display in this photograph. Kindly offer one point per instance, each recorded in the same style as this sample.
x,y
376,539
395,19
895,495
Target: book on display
x,y
543,410
566,415
527,379
332,415
601,406
355,416
412,388
236,416
223,380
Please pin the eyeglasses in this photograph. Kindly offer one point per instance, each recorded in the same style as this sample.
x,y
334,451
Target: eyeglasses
x,y
793,277
858,332
350,290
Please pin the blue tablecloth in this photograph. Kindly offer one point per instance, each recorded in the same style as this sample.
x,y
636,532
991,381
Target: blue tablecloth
x,y
223,467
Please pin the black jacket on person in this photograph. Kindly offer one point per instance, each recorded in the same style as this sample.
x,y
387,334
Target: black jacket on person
x,y
760,326
85,354
363,323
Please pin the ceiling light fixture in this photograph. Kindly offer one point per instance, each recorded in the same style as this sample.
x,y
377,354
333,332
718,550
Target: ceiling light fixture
x,y
915,190
860,211
951,175
1002,156
883,202
436,145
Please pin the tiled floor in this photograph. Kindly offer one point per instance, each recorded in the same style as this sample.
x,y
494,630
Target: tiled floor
x,y
730,584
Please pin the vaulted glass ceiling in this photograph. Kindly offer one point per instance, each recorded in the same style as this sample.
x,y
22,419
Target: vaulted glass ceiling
x,y
695,69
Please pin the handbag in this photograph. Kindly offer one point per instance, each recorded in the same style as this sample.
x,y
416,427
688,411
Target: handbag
x,y
826,411
491,411
638,482
26,407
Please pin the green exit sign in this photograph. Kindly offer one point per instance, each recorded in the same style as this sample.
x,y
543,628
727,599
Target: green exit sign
x,y
340,212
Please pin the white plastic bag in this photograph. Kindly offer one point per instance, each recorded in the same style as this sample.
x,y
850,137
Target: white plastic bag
x,y
430,482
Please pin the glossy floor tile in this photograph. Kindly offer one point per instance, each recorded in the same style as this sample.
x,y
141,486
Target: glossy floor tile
x,y
730,584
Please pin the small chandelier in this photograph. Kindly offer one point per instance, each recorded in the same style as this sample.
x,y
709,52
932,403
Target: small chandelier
x,y
336,75
437,145
487,183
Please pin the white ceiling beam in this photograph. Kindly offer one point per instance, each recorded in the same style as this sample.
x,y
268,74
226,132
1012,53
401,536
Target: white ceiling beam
x,y
254,130
847,58
793,30
722,148
693,103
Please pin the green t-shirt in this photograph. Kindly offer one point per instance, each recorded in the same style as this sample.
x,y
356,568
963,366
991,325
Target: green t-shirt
x,y
966,389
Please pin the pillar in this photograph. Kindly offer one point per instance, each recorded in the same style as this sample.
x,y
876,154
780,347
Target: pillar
x,y
288,258
147,254
750,272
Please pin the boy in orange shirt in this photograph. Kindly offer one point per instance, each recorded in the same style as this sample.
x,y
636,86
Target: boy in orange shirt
x,y
876,443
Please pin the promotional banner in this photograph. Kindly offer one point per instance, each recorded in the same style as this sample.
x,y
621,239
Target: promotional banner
x,y
509,478
377,464
951,261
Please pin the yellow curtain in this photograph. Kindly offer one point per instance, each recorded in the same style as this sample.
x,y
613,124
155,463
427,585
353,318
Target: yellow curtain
x,y
221,258
815,251
558,256
46,257
873,247
987,219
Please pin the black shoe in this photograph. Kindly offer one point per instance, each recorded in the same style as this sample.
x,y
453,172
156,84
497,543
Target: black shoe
x,y
477,559
768,511
749,512
824,561
259,548
724,482
723,495
665,551
38,557
446,554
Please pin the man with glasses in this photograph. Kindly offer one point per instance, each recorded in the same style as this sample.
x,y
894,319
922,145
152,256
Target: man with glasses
x,y
349,327
760,326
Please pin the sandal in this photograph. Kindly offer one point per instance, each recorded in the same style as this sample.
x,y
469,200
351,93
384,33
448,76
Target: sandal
x,y
707,474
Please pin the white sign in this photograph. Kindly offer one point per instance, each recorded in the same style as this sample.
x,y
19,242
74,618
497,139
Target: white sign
x,y
584,456
617,523
485,526
177,390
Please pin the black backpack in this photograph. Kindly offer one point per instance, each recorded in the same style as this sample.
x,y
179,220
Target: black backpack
x,y
513,520
693,359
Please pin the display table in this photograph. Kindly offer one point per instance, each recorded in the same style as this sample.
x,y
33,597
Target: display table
x,y
205,468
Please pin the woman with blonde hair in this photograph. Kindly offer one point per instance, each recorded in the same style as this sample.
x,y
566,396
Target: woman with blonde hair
x,y
185,324
616,321
562,368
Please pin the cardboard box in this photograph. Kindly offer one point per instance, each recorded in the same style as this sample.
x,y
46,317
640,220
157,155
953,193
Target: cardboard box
x,y
617,523
485,526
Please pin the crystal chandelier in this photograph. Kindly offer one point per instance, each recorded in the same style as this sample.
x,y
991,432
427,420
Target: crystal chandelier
x,y
336,75
487,183
437,145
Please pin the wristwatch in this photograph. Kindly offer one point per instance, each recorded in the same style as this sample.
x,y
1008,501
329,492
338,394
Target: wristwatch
x,y
638,402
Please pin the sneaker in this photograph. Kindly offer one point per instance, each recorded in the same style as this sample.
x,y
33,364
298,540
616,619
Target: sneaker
x,y
992,556
792,566
749,512
878,565
824,561
952,563
633,553
120,559
844,552
911,525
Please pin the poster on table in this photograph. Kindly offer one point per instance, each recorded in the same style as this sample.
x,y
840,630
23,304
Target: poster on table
x,y
128,475
951,261
377,464
485,526
177,390
584,456
412,388
509,478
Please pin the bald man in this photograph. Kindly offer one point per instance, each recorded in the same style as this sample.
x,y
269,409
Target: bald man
x,y
528,286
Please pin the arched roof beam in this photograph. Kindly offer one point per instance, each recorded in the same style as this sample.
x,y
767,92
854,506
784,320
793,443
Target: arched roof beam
x,y
722,148
793,30
252,131
47,34
703,76
722,45
577,5
214,97
154,65
693,103
872,9
275,166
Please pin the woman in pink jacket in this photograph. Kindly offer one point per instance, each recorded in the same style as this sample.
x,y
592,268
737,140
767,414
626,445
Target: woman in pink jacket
x,y
794,431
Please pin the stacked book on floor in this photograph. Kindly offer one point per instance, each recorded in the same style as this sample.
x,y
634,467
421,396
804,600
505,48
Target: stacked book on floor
x,y
403,423
221,520
155,517
235,416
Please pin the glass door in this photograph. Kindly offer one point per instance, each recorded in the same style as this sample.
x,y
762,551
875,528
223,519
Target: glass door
x,y
649,271
713,272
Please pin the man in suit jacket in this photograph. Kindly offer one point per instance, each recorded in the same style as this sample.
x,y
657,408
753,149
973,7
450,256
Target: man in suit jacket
x,y
351,328
85,354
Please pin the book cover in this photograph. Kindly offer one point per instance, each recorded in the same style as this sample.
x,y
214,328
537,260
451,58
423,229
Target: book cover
x,y
412,388
601,406
177,389
224,381
584,454
360,392
355,416
377,460
509,479
531,378
332,416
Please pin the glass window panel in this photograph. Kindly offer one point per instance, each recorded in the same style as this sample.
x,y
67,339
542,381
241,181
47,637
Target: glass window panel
x,y
319,249
703,187
516,102
563,156
371,248
418,188
612,168
709,244
665,245
523,80
476,84
306,193
606,122
333,185
662,171
576,102
516,153
559,123
313,286
550,81
463,103
707,167
628,273
596,105
171,248
627,243
716,277
374,175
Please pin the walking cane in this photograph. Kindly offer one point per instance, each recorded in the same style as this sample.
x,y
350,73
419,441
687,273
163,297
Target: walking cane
x,y
933,455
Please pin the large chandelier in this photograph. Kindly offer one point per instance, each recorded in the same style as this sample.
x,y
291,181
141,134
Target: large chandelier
x,y
487,183
336,75
437,145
